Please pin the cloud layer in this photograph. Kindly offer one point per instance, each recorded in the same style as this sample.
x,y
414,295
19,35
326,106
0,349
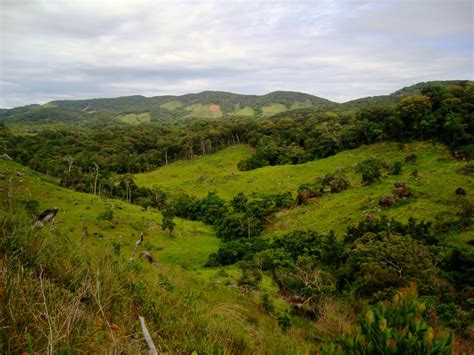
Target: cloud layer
x,y
335,49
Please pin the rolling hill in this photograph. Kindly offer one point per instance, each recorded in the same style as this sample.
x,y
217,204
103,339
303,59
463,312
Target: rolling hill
x,y
177,299
207,104
329,214
438,176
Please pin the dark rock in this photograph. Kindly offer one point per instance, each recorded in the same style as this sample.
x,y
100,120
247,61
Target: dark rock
x,y
387,201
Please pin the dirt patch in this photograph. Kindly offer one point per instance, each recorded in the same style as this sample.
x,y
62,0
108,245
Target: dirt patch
x,y
214,108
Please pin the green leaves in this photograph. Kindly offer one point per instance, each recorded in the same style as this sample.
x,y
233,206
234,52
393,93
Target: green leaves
x,y
395,327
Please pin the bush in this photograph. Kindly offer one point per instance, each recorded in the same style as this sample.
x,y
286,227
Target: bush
x,y
397,168
307,192
284,322
210,209
395,327
267,303
370,170
336,182
236,250
107,215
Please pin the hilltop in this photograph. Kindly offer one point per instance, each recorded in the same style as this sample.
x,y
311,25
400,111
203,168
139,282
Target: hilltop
x,y
139,109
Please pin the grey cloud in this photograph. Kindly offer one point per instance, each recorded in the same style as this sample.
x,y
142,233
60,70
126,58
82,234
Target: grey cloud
x,y
335,49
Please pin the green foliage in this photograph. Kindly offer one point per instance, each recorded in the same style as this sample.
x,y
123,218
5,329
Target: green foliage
x,y
107,215
378,264
250,277
167,222
370,170
236,250
284,322
309,191
397,168
395,327
267,303
335,182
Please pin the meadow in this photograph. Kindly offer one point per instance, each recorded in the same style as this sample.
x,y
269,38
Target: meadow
x,y
437,176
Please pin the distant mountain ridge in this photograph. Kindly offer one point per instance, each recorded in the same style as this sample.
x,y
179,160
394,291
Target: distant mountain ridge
x,y
137,109
229,103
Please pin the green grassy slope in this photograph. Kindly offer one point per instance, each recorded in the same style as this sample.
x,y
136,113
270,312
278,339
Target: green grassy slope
x,y
79,211
197,313
433,189
135,118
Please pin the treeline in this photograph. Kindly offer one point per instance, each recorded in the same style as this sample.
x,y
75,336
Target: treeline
x,y
101,159
444,113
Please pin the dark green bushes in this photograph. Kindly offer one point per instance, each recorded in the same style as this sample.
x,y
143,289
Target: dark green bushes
x,y
308,191
335,182
370,170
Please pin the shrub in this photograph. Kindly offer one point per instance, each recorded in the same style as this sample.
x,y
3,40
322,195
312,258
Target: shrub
x,y
370,170
395,327
267,303
307,192
284,322
397,168
107,215
336,182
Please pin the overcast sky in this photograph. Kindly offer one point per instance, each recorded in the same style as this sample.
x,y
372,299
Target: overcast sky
x,y
339,50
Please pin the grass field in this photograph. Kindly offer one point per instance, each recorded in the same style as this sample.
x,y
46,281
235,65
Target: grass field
x,y
135,118
197,296
172,105
245,111
204,111
273,109
298,104
433,188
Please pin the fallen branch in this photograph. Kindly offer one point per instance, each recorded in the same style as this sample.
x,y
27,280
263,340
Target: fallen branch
x,y
147,337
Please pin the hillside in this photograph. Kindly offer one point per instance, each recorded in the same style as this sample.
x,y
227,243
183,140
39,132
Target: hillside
x,y
396,96
269,235
438,177
207,104
185,296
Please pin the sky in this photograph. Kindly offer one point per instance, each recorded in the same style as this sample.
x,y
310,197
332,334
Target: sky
x,y
336,49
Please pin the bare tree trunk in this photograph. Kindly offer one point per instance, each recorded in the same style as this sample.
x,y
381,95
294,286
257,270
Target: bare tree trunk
x,y
96,166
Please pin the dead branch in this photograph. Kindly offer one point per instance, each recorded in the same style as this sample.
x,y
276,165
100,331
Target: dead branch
x,y
147,337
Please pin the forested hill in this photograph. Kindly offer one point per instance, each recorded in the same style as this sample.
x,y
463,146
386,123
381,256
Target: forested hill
x,y
398,95
208,104
204,104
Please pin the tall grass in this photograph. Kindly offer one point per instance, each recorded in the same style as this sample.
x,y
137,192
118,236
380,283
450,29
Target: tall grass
x,y
58,296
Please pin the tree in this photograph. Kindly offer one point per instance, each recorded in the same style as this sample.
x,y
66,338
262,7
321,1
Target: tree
x,y
412,110
370,170
96,169
158,197
167,222
378,263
